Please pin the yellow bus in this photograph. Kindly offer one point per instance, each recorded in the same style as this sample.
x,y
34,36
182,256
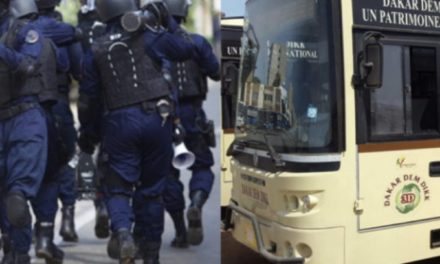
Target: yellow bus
x,y
231,31
336,157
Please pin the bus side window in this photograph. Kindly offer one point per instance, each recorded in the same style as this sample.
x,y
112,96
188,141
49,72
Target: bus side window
x,y
424,89
407,103
387,106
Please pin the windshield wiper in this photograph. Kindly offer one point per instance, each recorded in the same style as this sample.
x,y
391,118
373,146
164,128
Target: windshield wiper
x,y
276,157
238,145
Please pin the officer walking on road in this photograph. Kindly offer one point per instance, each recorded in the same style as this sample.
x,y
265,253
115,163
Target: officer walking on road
x,y
190,78
92,27
23,136
45,205
124,74
63,117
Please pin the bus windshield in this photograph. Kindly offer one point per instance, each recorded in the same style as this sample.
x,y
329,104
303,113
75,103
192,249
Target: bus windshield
x,y
287,88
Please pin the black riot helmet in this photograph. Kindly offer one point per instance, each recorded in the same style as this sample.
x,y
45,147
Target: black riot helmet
x,y
109,9
178,8
157,8
22,8
46,4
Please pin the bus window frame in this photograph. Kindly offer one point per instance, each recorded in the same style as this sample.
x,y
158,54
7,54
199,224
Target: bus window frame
x,y
363,131
335,44
338,144
338,57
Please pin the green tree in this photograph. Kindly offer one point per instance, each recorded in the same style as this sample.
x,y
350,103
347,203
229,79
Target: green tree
x,y
69,9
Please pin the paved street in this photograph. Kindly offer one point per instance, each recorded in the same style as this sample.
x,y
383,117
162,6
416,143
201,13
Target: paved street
x,y
93,251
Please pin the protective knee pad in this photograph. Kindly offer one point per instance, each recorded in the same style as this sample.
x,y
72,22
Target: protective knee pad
x,y
17,210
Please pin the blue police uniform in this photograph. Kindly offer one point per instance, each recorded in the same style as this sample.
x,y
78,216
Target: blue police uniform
x,y
23,137
62,34
191,84
137,144
45,205
89,23
68,136
66,125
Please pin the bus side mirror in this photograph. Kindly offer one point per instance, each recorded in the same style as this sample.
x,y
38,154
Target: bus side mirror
x,y
372,66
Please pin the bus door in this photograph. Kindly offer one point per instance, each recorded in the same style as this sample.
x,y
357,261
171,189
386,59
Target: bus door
x,y
231,46
398,131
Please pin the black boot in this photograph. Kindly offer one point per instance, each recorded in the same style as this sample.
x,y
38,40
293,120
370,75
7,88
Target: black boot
x,y
67,230
194,215
112,246
180,241
16,258
121,246
6,244
102,229
138,242
8,258
151,252
44,247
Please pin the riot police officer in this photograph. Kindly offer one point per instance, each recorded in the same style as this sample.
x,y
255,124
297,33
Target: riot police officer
x,y
63,117
190,79
136,129
92,28
45,204
23,140
89,22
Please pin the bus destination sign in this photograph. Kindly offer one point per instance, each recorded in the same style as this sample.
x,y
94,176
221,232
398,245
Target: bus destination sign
x,y
231,48
420,15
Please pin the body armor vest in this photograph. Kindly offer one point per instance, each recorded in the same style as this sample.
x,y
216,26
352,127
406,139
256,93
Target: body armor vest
x,y
7,80
63,80
91,28
48,73
128,75
62,77
189,80
15,84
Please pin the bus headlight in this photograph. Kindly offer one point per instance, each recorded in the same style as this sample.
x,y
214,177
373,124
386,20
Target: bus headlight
x,y
292,202
303,250
310,201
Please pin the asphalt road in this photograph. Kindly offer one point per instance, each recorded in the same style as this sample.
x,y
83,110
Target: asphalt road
x,y
90,250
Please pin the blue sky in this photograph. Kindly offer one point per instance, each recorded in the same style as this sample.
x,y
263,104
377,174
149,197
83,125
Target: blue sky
x,y
233,7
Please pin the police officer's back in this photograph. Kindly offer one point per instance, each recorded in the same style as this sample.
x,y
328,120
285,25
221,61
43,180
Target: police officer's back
x,y
23,140
190,79
126,69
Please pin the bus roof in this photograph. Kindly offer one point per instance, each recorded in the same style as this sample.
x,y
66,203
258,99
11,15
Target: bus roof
x,y
232,21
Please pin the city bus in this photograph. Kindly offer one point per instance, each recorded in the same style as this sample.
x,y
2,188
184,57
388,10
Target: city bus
x,y
231,31
336,156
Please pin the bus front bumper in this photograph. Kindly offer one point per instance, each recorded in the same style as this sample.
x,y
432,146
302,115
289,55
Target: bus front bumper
x,y
284,244
256,242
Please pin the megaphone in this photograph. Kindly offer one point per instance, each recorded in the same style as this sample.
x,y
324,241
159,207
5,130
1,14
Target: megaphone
x,y
183,158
